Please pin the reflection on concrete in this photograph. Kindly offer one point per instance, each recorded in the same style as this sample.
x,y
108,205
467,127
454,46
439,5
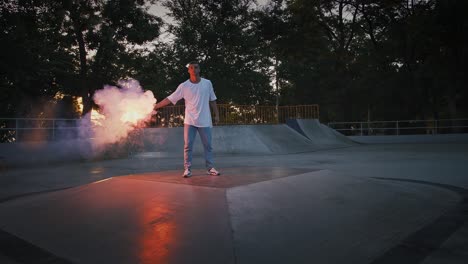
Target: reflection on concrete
x,y
158,236
122,220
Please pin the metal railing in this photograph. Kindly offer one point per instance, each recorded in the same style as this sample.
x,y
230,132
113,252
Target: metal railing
x,y
36,129
47,129
173,116
401,127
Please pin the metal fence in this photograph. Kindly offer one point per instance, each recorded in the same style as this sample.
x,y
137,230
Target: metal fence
x,y
401,127
173,116
49,129
37,129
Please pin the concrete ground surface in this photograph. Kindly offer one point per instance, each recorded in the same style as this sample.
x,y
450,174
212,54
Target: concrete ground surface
x,y
380,203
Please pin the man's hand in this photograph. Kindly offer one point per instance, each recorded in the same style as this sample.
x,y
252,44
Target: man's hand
x,y
216,119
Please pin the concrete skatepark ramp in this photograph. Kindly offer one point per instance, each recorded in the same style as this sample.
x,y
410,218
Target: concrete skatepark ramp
x,y
249,139
258,139
168,142
320,134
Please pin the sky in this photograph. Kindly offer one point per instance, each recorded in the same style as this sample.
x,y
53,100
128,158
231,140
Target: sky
x,y
160,11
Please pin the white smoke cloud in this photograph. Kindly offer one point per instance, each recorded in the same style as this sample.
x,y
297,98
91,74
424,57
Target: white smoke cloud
x,y
122,110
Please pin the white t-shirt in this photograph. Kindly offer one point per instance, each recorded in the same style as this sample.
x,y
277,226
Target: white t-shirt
x,y
197,97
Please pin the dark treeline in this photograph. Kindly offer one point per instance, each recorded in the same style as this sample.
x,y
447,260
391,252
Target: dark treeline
x,y
357,59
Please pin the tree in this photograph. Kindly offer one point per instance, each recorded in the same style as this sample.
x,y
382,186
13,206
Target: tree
x,y
451,55
397,59
106,28
69,46
316,46
33,55
220,35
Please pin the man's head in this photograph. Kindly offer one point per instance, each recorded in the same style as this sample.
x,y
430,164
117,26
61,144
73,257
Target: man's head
x,y
193,68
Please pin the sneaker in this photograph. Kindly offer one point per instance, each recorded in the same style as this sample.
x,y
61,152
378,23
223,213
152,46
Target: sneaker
x,y
213,172
187,173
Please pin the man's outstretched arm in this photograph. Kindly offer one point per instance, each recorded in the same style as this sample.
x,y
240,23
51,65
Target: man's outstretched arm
x,y
215,109
163,103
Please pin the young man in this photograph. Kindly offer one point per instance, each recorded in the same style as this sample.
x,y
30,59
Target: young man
x,y
199,96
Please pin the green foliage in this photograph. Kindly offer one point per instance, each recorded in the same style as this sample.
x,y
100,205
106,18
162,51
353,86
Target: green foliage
x,y
358,59
221,35
370,59
48,46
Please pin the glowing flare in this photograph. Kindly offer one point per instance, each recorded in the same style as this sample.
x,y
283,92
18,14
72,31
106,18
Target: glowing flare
x,y
96,117
136,109
131,117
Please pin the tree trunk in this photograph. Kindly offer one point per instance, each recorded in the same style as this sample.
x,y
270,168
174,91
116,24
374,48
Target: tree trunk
x,y
85,92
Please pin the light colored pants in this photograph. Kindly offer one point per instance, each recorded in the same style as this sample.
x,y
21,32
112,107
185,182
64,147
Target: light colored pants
x,y
189,138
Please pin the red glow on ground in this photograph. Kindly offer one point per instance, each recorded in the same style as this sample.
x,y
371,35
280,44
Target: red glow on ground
x,y
159,235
